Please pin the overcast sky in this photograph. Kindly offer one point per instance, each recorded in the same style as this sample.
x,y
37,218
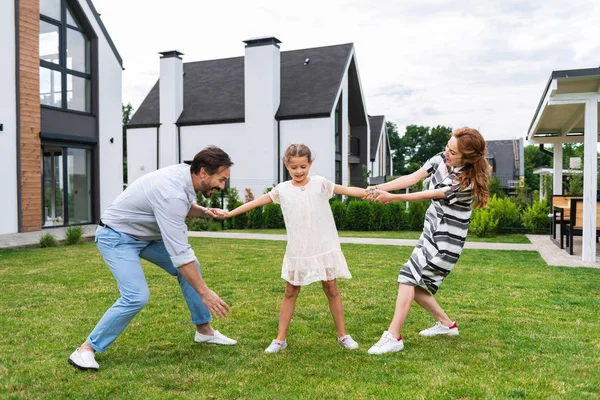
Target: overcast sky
x,y
483,64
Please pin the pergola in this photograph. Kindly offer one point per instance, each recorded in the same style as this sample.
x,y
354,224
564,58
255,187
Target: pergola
x,y
568,113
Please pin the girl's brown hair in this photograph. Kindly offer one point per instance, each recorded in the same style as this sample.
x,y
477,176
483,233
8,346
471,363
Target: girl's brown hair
x,y
297,150
476,172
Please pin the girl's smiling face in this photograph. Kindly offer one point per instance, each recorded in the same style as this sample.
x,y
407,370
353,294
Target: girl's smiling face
x,y
298,168
453,156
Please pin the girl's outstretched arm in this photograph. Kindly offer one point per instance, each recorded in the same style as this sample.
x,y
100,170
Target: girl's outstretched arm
x,y
403,181
384,197
350,191
261,201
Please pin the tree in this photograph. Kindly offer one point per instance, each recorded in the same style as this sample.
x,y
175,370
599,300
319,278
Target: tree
x,y
418,145
127,111
534,158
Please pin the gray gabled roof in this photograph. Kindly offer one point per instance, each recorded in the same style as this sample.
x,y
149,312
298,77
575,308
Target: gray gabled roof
x,y
375,122
214,89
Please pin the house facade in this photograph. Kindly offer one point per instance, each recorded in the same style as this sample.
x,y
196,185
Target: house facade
x,y
381,167
60,115
507,159
253,107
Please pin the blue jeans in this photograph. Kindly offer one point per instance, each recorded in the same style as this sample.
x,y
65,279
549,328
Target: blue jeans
x,y
122,253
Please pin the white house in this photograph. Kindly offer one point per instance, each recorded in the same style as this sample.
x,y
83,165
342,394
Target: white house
x,y
253,107
60,115
381,166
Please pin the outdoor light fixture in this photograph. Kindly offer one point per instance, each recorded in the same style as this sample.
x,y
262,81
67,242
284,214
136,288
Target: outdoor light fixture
x,y
1,127
112,140
306,61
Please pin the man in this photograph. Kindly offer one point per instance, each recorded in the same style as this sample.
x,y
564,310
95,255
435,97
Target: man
x,y
147,221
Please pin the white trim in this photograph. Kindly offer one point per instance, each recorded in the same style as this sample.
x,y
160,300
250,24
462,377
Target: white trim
x,y
551,90
590,169
572,98
556,139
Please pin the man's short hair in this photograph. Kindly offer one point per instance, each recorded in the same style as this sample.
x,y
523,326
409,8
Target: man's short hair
x,y
210,158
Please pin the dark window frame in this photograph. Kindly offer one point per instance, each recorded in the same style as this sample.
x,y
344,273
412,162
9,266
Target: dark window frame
x,y
64,146
61,67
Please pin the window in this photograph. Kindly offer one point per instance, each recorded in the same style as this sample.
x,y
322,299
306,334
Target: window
x,y
65,73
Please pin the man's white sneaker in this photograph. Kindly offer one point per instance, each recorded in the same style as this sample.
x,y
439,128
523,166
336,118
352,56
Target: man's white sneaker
x,y
217,338
439,329
83,360
387,344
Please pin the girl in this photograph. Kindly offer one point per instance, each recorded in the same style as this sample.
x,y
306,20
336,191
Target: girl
x,y
459,178
313,250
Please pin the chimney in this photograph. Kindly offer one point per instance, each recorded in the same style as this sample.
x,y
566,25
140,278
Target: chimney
x,y
262,84
171,106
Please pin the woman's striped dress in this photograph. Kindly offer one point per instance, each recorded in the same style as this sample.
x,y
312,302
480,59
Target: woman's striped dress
x,y
444,232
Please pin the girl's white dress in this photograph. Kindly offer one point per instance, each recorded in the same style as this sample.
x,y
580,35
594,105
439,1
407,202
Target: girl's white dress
x,y
313,250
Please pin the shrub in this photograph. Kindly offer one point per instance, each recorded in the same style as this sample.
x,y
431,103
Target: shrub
x,y
73,235
48,240
215,200
197,224
249,196
506,212
240,221
416,215
395,217
535,217
255,218
377,216
231,196
338,209
214,226
272,216
483,222
358,216
495,187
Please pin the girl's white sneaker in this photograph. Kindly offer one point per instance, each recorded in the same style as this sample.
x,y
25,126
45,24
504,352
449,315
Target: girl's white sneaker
x,y
276,345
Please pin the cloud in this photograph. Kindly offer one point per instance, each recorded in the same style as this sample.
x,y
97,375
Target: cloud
x,y
482,63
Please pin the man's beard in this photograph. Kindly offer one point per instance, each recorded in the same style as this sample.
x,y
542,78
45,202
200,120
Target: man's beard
x,y
207,190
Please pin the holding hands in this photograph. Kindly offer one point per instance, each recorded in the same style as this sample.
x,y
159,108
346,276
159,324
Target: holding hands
x,y
217,213
377,195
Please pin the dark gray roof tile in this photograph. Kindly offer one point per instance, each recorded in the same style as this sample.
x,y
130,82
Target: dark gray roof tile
x,y
214,89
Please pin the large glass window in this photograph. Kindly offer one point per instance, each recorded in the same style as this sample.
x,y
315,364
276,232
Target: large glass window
x,y
67,185
79,185
65,72
50,87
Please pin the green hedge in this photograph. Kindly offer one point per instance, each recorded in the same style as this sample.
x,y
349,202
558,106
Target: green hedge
x,y
501,215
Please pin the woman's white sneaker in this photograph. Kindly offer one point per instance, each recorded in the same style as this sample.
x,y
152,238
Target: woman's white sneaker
x,y
439,329
387,344
83,360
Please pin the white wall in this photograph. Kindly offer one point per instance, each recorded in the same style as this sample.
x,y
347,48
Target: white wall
x,y
170,106
262,96
8,117
111,119
319,136
141,152
246,151
251,167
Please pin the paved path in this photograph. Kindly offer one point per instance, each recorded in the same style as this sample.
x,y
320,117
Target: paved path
x,y
549,251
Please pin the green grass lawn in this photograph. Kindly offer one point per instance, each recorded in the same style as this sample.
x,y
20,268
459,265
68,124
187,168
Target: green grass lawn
x,y
526,330
503,238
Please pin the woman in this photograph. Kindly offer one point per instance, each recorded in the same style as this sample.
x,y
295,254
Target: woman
x,y
458,182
